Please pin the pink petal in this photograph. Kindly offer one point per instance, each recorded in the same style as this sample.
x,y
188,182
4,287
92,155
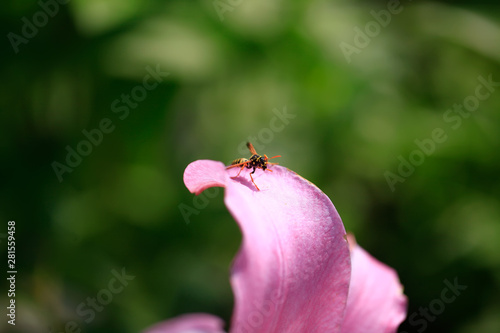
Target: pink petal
x,y
292,271
202,174
190,323
376,302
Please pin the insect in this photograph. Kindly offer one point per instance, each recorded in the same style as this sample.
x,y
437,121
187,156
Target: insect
x,y
256,161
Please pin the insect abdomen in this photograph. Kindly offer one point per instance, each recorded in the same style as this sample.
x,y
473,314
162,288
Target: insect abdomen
x,y
238,161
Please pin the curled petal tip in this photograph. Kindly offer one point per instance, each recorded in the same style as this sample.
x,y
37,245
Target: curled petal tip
x,y
202,174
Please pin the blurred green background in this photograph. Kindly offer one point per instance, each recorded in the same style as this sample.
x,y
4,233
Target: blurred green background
x,y
226,71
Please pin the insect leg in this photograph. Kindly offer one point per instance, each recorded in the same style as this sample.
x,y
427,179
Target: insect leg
x,y
236,165
258,189
242,167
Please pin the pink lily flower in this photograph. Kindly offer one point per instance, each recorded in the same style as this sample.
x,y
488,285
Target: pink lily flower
x,y
296,270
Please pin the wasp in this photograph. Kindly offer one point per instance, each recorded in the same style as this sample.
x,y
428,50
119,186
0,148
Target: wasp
x,y
256,161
